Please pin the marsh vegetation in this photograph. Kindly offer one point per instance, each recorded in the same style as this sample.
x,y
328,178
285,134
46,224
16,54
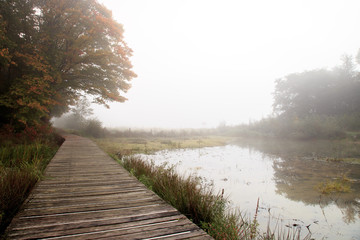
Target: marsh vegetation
x,y
57,56
208,209
303,191
23,159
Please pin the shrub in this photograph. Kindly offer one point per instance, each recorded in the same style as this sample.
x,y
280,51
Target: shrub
x,y
93,128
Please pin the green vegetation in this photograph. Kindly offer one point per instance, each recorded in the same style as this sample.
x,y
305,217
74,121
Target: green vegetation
x,y
206,209
21,166
339,185
187,194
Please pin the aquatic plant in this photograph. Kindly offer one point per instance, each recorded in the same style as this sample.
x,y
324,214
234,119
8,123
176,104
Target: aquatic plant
x,y
339,185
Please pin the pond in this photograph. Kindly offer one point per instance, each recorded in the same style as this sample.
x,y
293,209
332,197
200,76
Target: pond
x,y
285,182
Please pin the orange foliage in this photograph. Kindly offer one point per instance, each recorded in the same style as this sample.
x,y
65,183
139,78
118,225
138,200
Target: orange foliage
x,y
71,48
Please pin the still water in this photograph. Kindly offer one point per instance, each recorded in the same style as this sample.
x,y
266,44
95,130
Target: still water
x,y
286,187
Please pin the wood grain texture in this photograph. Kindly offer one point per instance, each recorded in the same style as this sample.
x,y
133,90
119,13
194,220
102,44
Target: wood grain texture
x,y
87,195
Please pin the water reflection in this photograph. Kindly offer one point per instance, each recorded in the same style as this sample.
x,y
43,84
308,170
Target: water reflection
x,y
298,180
312,149
284,176
304,165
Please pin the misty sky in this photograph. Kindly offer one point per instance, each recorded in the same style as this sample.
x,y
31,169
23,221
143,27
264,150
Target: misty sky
x,y
203,62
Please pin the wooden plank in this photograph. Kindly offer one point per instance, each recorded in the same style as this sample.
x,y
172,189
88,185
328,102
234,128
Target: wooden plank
x,y
81,230
85,204
87,195
31,221
71,192
84,189
71,201
97,222
93,207
137,233
194,235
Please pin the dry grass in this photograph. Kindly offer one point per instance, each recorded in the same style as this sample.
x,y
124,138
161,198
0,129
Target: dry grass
x,y
128,146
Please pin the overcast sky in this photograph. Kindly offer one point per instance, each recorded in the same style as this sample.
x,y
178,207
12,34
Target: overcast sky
x,y
204,62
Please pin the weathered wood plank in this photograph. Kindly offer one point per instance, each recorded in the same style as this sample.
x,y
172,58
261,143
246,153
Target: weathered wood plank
x,y
138,233
87,195
97,222
80,230
32,221
87,208
106,191
81,200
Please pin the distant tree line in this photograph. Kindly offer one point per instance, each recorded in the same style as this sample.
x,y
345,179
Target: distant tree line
x,y
321,103
333,92
52,53
80,121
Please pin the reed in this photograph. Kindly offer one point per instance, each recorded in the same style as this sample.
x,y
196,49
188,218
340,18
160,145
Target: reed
x,y
199,203
21,166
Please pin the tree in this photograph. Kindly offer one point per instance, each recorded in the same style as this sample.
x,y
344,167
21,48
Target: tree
x,y
94,128
301,94
323,92
24,91
78,117
55,51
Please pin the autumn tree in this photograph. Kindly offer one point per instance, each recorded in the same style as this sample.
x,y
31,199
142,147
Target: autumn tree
x,y
52,52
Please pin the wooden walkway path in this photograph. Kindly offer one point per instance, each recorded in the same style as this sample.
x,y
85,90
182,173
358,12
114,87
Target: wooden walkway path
x,y
87,195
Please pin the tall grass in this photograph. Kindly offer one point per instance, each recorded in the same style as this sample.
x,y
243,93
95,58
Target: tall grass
x,y
208,210
186,194
21,166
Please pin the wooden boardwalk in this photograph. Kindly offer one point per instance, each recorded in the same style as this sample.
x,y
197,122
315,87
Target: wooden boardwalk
x,y
87,195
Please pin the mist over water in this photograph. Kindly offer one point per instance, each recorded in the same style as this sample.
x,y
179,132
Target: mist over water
x,y
139,76
285,186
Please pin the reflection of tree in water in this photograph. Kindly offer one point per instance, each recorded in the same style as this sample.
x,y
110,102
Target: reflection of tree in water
x,y
297,179
300,171
308,149
349,210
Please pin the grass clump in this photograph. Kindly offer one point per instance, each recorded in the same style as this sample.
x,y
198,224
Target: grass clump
x,y
206,209
21,166
340,185
186,194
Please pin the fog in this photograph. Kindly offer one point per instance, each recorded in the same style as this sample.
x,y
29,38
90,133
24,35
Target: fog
x,y
201,63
